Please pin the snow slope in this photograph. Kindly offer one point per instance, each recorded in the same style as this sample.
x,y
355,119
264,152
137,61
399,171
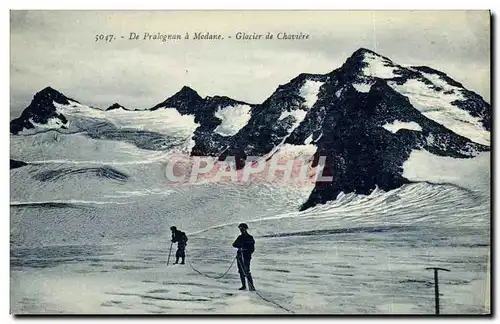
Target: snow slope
x,y
105,251
397,125
363,255
437,105
233,119
309,91
165,121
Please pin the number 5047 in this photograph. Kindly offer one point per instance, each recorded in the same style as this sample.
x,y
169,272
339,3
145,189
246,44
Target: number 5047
x,y
104,38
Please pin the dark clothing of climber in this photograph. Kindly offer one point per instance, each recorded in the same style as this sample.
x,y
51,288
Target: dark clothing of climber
x,y
246,246
181,239
244,271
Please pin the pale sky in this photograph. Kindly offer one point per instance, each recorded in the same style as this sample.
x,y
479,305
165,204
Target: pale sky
x,y
58,49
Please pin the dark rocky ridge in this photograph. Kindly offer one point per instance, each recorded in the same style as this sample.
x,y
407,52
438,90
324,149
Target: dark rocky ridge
x,y
14,164
185,101
264,130
188,102
116,106
40,110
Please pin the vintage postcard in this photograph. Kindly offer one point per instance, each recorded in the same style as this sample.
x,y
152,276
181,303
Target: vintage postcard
x,y
250,162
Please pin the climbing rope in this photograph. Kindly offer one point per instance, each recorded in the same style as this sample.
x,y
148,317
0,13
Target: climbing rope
x,y
274,303
262,297
246,276
208,276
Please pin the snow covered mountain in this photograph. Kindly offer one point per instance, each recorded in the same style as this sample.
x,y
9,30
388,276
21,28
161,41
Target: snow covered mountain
x,y
116,106
42,112
370,118
150,130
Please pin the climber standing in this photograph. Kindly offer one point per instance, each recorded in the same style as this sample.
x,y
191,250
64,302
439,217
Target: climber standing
x,y
181,238
245,245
